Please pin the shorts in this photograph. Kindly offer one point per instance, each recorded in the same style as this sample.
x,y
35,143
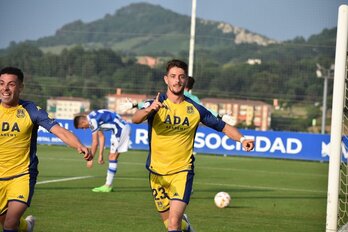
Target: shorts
x,y
16,189
120,144
177,186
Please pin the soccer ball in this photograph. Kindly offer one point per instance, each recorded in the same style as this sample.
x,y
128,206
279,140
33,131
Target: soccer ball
x,y
222,199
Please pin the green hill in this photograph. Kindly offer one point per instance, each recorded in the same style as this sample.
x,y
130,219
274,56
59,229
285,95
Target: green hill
x,y
91,59
143,28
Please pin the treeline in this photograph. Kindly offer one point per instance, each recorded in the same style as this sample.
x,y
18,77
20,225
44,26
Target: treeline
x,y
78,72
92,74
91,60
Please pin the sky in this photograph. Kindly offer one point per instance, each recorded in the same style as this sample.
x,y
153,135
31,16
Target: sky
x,y
281,20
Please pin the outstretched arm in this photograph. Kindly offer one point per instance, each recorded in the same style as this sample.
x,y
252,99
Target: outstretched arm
x,y
233,133
71,140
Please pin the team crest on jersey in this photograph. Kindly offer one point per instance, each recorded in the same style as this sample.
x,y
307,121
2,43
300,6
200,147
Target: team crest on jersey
x,y
20,113
190,110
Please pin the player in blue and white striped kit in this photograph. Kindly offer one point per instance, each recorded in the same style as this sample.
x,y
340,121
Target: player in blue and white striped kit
x,y
99,121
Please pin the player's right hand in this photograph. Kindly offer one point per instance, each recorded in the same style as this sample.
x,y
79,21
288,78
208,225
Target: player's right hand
x,y
156,104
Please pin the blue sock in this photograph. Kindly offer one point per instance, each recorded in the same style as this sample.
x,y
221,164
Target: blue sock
x,y
9,230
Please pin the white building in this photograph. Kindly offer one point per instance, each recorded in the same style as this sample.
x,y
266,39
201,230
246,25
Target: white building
x,y
114,101
67,107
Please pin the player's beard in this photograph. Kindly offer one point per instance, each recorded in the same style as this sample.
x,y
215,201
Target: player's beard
x,y
177,89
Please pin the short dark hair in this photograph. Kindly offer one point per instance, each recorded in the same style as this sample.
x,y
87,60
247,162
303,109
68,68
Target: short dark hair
x,y
77,120
177,63
190,82
13,71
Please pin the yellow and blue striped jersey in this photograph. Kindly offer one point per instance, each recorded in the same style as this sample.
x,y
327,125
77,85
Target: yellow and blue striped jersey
x,y
172,131
18,138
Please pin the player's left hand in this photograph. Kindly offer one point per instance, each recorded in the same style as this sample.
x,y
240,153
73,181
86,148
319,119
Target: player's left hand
x,y
248,144
89,164
101,160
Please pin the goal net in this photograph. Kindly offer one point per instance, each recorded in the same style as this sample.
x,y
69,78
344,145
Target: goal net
x,y
343,194
337,196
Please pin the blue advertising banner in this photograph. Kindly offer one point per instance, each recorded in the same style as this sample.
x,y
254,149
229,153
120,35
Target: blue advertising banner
x,y
270,144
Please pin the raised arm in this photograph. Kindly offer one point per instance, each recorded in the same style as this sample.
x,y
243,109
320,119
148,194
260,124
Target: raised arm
x,y
142,114
71,140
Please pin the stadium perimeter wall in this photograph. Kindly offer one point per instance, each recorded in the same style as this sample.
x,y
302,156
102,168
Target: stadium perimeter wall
x,y
268,144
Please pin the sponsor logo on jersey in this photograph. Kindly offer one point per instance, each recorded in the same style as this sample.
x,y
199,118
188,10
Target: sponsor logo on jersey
x,y
176,120
8,127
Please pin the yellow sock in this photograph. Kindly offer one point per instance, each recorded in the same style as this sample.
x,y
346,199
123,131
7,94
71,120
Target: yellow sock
x,y
23,225
184,224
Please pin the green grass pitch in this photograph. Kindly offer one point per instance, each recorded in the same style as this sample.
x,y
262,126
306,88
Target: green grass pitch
x,y
267,195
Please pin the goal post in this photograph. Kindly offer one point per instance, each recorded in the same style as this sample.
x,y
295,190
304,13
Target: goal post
x,y
338,103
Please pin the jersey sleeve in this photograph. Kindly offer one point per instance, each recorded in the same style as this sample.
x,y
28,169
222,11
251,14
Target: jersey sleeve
x,y
145,104
93,125
92,121
39,116
208,119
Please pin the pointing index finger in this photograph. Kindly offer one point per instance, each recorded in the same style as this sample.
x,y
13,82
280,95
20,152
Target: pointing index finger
x,y
157,97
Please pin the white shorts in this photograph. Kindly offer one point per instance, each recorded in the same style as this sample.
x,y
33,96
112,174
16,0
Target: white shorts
x,y
120,144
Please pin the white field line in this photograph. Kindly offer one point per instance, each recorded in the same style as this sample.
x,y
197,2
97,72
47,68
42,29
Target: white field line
x,y
200,183
212,184
63,179
206,167
81,160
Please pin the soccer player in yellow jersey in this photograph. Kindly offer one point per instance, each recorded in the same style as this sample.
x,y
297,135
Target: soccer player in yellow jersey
x,y
173,120
19,122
